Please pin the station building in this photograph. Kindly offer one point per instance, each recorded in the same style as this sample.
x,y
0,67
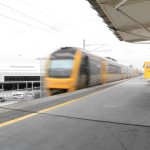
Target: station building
x,y
17,75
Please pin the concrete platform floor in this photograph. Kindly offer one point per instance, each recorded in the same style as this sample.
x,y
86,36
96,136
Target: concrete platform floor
x,y
117,118
127,103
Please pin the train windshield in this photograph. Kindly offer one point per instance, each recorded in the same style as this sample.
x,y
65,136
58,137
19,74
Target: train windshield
x,y
61,64
148,66
60,67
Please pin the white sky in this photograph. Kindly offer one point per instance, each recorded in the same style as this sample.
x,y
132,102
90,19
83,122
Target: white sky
x,y
51,24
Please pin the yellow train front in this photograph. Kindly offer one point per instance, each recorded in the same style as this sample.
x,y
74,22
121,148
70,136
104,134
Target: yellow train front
x,y
70,68
147,70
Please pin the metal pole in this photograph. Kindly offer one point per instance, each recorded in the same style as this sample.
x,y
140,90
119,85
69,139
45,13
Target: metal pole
x,y
40,77
2,87
26,90
41,69
120,4
83,44
32,85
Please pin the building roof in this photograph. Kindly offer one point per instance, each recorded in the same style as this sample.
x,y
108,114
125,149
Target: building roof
x,y
20,66
128,19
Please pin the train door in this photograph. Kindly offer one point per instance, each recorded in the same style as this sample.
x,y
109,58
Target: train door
x,y
83,78
86,70
104,72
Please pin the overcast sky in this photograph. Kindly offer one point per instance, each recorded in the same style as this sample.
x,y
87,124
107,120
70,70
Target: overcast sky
x,y
35,28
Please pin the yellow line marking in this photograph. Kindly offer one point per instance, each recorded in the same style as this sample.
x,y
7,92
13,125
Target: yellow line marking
x,y
39,112
17,120
48,109
59,105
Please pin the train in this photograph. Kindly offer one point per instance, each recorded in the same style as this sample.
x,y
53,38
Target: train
x,y
147,70
70,68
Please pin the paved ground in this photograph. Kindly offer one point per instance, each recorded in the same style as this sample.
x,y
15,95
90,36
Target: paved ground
x,y
116,118
127,103
8,112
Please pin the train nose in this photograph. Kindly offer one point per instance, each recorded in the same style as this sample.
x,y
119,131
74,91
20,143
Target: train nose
x,y
57,91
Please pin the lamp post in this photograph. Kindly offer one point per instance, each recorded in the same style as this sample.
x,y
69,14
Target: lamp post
x,y
41,69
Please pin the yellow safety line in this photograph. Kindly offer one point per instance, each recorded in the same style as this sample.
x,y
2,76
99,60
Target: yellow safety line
x,y
47,109
17,120
59,105
39,112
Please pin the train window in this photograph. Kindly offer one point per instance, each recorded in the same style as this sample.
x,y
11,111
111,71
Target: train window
x,y
113,69
119,69
64,53
61,63
61,55
147,65
60,68
94,65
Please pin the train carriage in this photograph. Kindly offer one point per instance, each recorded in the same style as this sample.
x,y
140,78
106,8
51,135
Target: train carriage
x,y
70,68
147,70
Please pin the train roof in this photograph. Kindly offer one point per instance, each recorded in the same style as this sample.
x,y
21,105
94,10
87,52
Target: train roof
x,y
111,61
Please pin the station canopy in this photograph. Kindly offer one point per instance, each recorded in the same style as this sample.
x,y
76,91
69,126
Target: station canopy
x,y
129,20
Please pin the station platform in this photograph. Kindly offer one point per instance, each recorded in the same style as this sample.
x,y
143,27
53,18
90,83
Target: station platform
x,y
115,117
